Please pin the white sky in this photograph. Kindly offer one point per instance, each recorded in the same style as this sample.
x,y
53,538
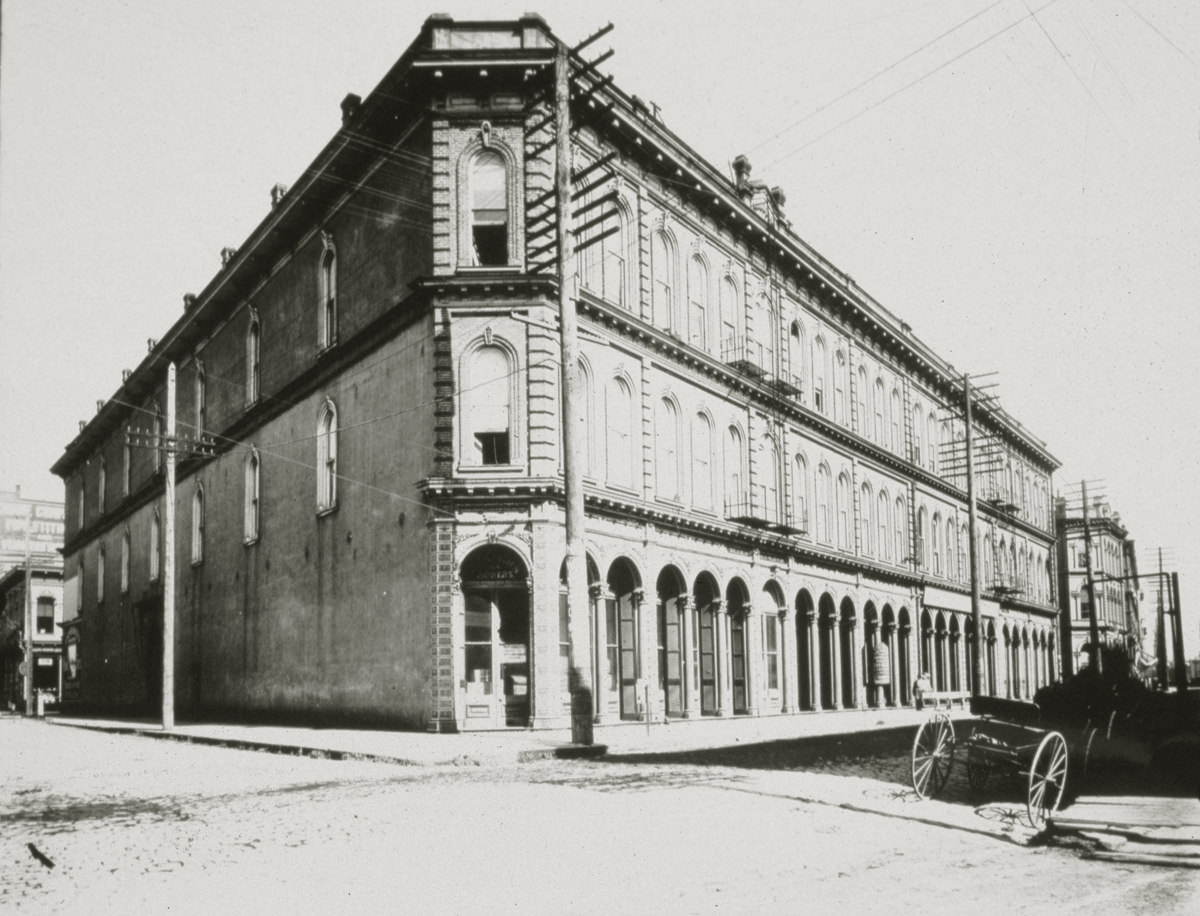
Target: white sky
x,y
1020,181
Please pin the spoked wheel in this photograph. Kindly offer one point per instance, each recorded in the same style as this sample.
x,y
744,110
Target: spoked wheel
x,y
932,756
977,771
1047,779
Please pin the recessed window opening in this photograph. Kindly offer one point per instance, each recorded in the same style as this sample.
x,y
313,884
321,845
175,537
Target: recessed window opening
x,y
489,210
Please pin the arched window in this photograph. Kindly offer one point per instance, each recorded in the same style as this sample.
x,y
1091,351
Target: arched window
x,y
100,564
861,406
880,406
702,461
895,415
327,449
698,302
158,441
735,470
866,526
768,336
155,547
796,353
923,534
935,534
102,485
843,511
884,542
587,419
126,469
951,549
662,272
900,530
489,209
917,424
768,473
666,441
250,519
728,305
619,426
824,503
800,494
327,322
79,592
252,351
201,397
198,525
488,406
841,412
931,442
125,562
820,368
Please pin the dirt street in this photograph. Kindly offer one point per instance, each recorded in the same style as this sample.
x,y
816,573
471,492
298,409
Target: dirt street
x,y
138,825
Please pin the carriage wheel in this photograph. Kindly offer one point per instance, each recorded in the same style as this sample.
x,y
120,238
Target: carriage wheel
x,y
932,756
978,771
1047,779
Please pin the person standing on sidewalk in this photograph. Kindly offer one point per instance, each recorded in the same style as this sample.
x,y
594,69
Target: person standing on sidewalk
x,y
920,688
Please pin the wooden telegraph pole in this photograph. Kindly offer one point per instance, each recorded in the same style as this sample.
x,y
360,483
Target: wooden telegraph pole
x,y
168,623
1093,623
973,552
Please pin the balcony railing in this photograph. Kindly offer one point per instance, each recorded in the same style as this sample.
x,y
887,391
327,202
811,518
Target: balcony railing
x,y
760,514
745,355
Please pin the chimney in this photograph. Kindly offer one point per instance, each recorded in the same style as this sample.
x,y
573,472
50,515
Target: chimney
x,y
227,256
99,406
82,425
151,343
277,193
350,105
125,373
779,198
189,299
741,171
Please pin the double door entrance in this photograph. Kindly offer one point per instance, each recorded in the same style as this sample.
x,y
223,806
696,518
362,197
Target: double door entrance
x,y
496,657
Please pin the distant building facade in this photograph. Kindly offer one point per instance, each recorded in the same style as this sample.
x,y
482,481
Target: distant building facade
x,y
1114,572
775,522
45,604
29,526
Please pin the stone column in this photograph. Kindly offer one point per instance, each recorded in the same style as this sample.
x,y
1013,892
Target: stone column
x,y
891,639
835,659
689,690
754,679
721,648
812,658
786,704
601,693
857,642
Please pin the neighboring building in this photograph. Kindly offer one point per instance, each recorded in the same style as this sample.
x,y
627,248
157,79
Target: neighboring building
x,y
1114,572
32,527
46,606
775,522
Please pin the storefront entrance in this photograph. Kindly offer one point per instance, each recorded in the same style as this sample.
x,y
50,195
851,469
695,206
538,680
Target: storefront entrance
x,y
496,664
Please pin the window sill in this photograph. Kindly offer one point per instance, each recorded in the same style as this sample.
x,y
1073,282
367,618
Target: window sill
x,y
250,542
323,511
473,469
490,269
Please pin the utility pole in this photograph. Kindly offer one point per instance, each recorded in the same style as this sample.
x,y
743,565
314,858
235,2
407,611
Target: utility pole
x,y
578,627
973,553
1181,672
30,706
1160,640
1093,624
168,623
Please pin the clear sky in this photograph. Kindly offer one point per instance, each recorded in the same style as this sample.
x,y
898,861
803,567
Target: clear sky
x,y
1017,179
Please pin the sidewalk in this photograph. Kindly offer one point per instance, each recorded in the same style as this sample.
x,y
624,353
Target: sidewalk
x,y
508,747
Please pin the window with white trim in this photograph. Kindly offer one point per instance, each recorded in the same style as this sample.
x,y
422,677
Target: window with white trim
x,y
155,547
327,449
198,525
619,420
488,397
250,509
328,315
125,562
253,348
489,209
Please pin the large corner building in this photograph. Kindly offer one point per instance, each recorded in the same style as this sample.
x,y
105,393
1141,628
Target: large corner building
x,y
776,509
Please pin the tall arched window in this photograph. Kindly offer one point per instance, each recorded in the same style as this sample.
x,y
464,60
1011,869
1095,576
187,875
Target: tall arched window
x,y
861,405
587,419
251,504
158,441
102,485
327,323
252,351
768,473
620,439
667,450
932,443
728,305
923,533
489,209
126,469
735,469
917,424
662,272
702,461
824,503
155,547
698,302
488,406
800,494
866,526
125,562
935,549
796,353
768,337
900,530
881,520
841,411
100,564
198,525
880,406
327,449
201,397
843,510
896,414
951,549
820,369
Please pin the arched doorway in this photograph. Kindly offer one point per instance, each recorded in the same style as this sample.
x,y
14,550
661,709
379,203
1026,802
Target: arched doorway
x,y
991,659
925,662
939,653
772,646
955,647
826,623
804,649
672,597
904,675
622,608
846,661
497,688
969,650
737,601
705,598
